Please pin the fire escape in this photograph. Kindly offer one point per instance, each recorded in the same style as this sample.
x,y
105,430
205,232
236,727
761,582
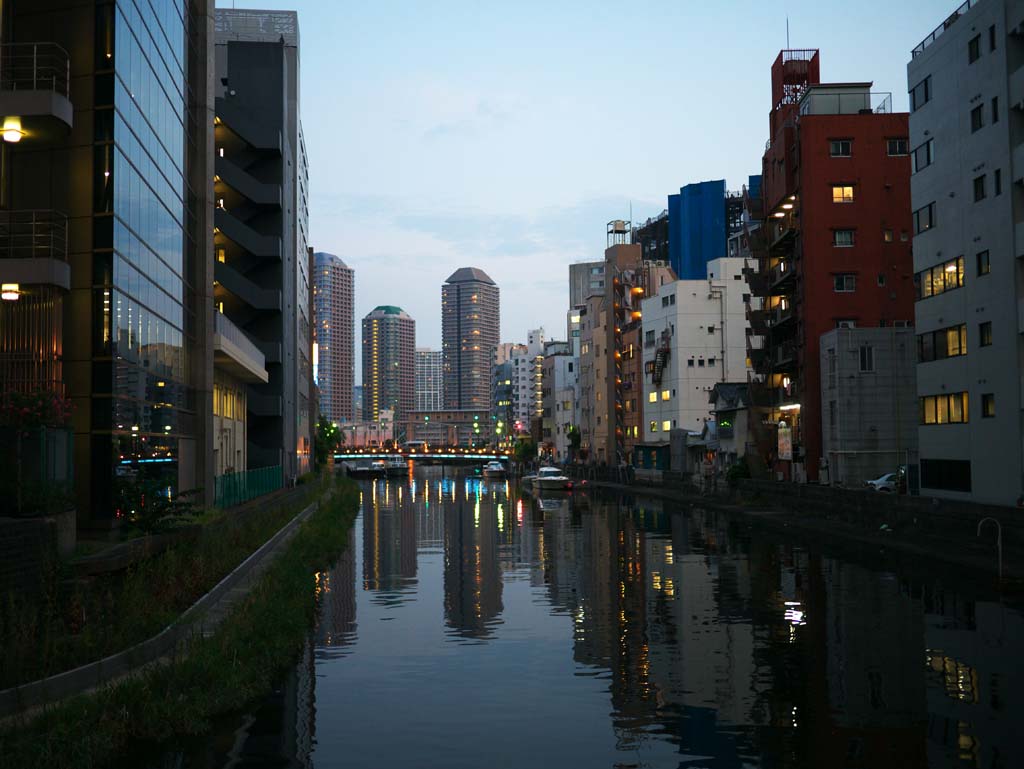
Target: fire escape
x,y
661,357
773,307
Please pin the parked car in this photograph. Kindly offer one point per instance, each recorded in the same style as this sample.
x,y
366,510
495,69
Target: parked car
x,y
888,483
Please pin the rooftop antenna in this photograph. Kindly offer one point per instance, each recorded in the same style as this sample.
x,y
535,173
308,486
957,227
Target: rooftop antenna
x,y
787,31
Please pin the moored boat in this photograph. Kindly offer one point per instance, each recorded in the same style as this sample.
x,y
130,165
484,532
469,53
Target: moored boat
x,y
552,479
494,469
396,466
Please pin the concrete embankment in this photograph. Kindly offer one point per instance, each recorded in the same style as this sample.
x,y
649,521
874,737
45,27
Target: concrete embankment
x,y
913,529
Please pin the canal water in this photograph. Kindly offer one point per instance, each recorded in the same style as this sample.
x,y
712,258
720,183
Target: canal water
x,y
470,625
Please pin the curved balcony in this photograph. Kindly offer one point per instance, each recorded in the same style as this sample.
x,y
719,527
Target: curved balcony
x,y
35,91
34,248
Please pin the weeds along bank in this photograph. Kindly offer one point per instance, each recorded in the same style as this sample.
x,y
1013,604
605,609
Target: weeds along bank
x,y
225,672
70,622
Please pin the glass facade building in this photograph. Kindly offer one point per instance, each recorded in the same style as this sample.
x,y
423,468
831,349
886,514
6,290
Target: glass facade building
x,y
142,402
115,183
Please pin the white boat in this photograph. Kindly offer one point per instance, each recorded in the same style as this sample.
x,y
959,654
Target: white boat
x,y
494,469
396,466
551,479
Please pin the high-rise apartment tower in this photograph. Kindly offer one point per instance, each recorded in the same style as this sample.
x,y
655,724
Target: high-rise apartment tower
x,y
470,318
333,330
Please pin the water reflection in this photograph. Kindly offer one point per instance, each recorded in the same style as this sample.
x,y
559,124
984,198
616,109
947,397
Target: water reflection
x,y
502,630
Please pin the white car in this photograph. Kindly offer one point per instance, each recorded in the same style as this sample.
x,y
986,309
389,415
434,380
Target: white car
x,y
887,483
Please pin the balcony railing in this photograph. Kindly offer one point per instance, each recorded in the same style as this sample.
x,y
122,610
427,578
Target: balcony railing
x,y
35,67
950,20
236,336
33,234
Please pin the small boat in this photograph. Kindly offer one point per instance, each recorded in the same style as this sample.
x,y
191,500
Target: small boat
x,y
494,469
552,479
396,466
373,468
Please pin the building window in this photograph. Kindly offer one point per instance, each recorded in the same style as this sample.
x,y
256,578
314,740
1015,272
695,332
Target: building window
x,y
887,236
984,267
997,182
842,238
700,363
941,344
846,323
867,358
995,109
974,49
977,119
831,413
652,397
666,425
897,146
689,363
947,408
940,278
842,193
921,94
946,474
924,218
881,278
840,148
665,395
923,156
844,282
671,299
988,405
649,335
654,426
711,329
711,361
985,334
992,38
979,188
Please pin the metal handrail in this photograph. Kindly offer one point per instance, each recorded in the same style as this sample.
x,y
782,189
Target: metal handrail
x,y
33,234
950,20
35,67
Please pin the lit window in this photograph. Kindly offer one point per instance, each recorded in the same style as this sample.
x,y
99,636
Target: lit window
x,y
665,395
652,397
842,193
653,426
666,425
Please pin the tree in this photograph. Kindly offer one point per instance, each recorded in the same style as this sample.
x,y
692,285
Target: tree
x,y
328,439
575,439
525,450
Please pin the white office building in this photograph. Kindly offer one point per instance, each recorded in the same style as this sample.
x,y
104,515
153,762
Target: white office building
x,y
694,337
966,82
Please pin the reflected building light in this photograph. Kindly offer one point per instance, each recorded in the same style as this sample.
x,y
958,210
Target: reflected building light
x,y
476,514
501,518
519,512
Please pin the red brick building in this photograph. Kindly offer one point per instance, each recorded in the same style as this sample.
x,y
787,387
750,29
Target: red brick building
x,y
836,243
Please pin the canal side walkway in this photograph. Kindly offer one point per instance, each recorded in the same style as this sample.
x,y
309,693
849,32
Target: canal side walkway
x,y
873,525
200,620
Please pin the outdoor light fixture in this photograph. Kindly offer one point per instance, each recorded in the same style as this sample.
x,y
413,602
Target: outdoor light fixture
x,y
790,407
787,206
10,292
12,130
779,214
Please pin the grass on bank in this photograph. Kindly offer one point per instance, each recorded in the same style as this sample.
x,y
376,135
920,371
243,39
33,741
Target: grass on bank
x,y
69,623
221,674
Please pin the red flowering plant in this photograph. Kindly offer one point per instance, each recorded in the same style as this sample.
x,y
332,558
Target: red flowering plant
x,y
43,408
